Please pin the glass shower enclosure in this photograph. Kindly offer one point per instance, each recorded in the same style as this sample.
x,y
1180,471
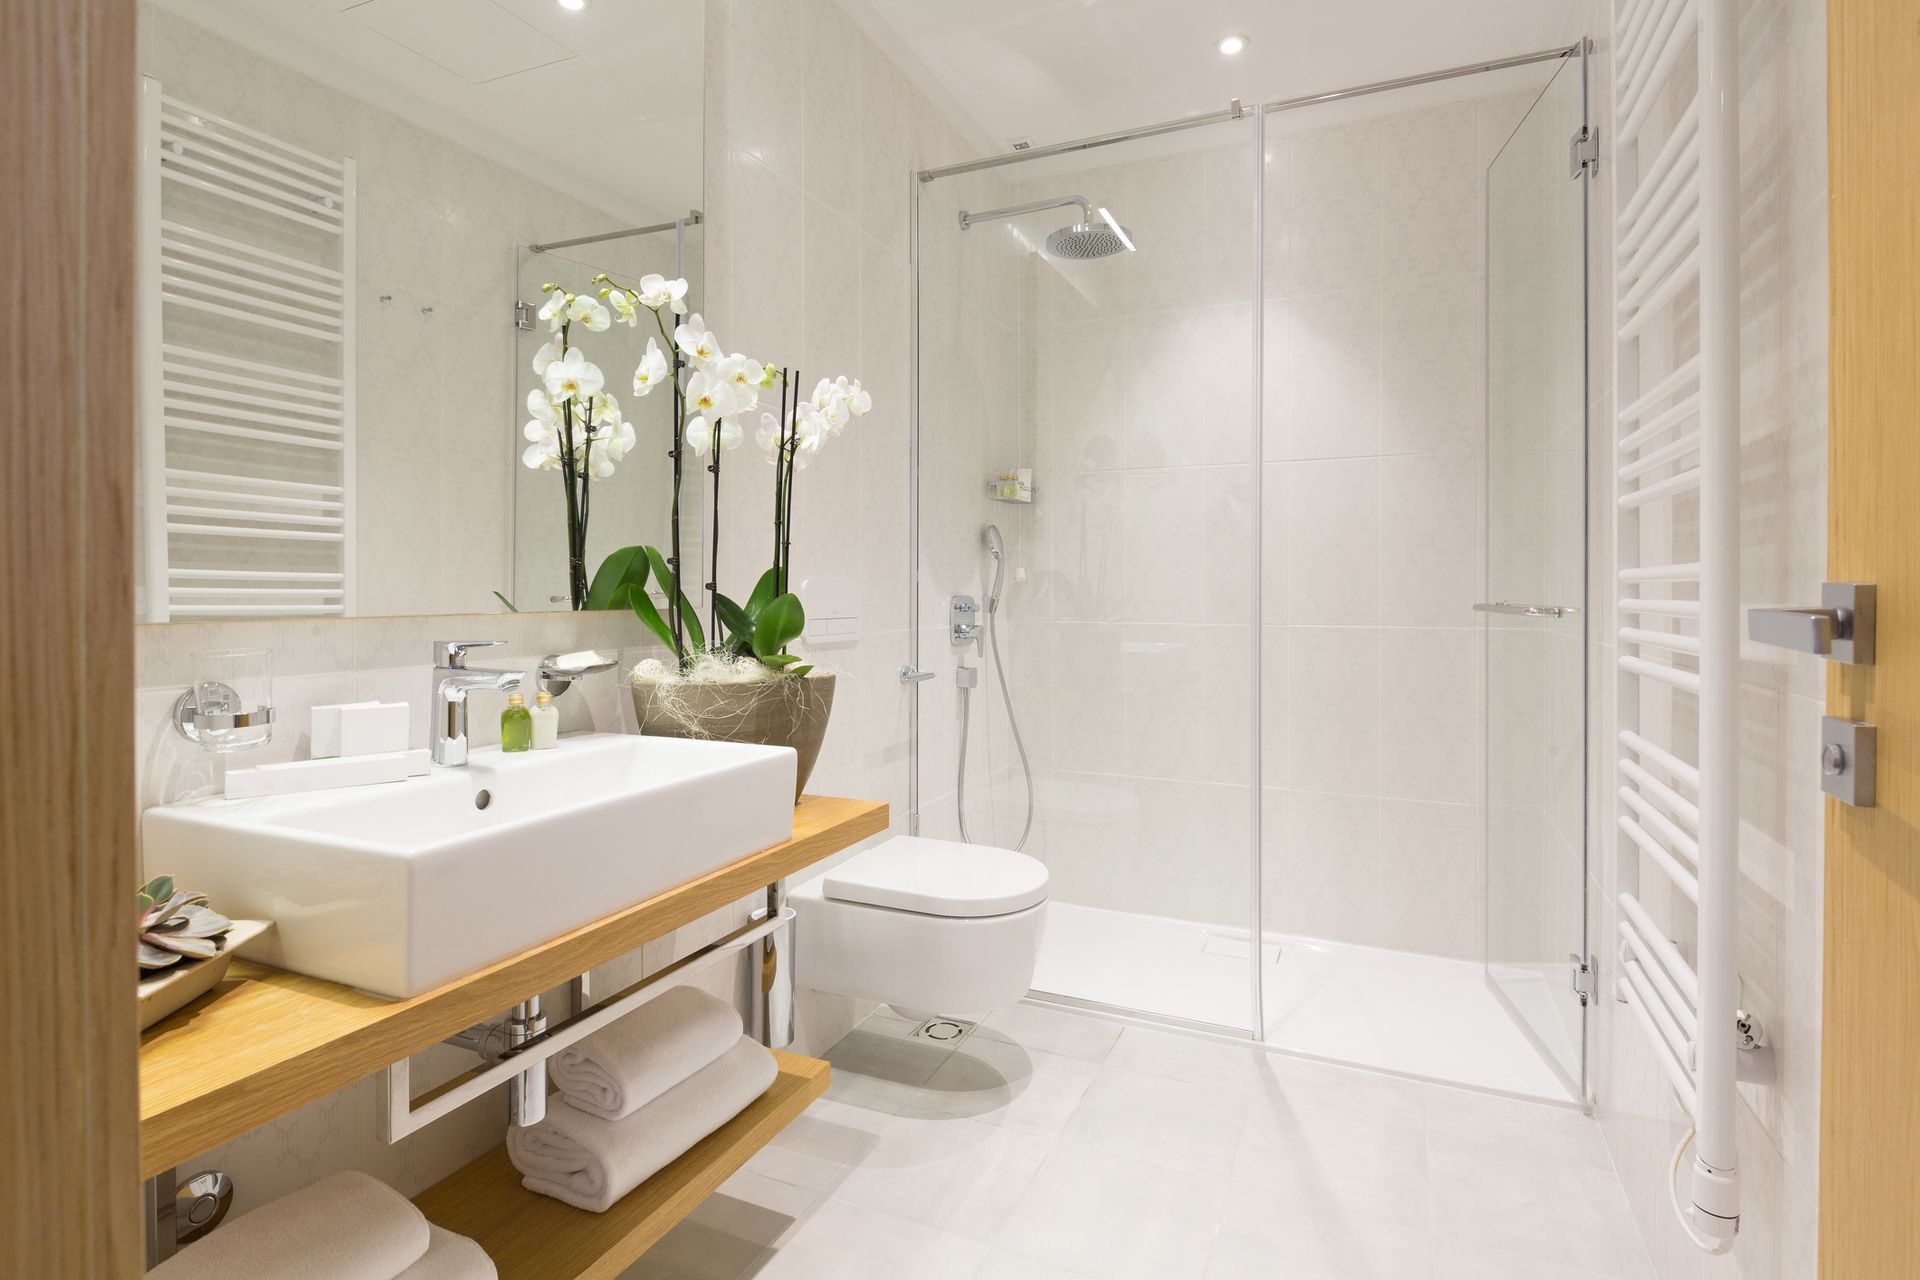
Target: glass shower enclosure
x,y
1220,440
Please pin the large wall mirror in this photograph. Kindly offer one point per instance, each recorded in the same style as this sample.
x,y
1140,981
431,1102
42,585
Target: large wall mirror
x,y
348,211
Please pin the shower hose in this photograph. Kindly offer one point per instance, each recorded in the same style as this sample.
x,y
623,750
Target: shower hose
x,y
966,715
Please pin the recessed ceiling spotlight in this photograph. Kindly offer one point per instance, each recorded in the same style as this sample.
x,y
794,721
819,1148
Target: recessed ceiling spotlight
x,y
575,5
1228,45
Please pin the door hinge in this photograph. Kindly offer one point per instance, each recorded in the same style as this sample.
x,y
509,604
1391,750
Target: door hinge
x,y
523,316
1580,977
1583,151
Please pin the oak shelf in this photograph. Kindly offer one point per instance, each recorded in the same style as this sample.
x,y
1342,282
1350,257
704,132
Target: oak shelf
x,y
266,1042
535,1237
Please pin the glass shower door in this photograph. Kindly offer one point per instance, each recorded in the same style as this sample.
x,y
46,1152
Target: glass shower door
x,y
1093,633
1536,608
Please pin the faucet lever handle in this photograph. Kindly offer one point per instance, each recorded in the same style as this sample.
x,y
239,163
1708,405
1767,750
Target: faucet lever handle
x,y
453,653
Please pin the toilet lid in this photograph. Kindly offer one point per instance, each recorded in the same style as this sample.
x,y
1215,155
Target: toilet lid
x,y
939,878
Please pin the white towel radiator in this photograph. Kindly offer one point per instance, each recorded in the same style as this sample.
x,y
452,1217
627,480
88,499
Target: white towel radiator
x,y
246,377
1677,490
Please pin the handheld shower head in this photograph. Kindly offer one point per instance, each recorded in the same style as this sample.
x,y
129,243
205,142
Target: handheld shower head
x,y
998,550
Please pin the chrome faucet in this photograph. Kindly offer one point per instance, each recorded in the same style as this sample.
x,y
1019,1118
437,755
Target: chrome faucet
x,y
452,681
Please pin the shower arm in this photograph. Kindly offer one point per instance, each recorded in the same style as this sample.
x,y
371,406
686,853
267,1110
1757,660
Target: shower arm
x,y
1032,206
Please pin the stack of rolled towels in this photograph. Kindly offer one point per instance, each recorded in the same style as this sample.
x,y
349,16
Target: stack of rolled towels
x,y
346,1227
637,1095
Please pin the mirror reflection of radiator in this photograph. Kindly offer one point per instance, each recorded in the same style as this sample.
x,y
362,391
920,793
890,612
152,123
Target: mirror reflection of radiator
x,y
246,385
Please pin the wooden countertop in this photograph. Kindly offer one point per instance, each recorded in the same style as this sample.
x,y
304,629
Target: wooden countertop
x,y
265,1041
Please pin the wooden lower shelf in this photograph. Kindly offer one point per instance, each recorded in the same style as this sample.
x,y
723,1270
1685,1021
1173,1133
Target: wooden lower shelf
x,y
535,1237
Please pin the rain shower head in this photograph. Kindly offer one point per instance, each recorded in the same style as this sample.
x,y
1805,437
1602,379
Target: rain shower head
x,y
1089,240
1098,234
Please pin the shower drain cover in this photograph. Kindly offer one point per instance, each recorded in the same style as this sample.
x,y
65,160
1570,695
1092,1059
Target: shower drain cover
x,y
942,1030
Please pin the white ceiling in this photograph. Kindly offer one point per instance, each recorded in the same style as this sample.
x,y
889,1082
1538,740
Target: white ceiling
x,y
606,101
1051,70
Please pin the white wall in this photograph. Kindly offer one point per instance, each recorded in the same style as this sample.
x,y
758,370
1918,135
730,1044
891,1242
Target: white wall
x,y
1783,409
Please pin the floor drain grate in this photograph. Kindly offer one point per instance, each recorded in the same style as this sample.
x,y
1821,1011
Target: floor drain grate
x,y
949,1031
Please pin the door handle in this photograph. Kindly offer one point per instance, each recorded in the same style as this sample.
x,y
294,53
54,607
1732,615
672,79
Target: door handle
x,y
1841,627
913,675
1527,610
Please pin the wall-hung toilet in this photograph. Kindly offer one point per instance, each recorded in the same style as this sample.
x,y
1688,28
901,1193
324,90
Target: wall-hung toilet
x,y
927,926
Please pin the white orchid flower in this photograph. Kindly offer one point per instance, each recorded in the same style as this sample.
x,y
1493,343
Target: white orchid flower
x,y
656,291
747,376
700,435
544,431
623,309
546,355
555,310
693,338
811,428
574,377
653,369
827,402
768,436
585,309
605,412
608,447
858,399
711,396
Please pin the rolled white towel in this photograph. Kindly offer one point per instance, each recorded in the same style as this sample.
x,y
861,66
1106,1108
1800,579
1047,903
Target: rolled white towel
x,y
346,1227
451,1257
590,1163
616,1071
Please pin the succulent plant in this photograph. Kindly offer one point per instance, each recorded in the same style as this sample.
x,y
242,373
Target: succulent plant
x,y
175,924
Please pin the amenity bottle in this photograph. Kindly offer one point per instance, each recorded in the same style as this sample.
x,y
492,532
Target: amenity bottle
x,y
516,725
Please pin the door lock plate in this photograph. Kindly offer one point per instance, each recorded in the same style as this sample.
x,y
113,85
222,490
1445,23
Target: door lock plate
x,y
1847,760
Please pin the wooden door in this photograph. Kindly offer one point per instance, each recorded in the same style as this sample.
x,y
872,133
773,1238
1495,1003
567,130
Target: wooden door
x,y
1870,1044
69,1123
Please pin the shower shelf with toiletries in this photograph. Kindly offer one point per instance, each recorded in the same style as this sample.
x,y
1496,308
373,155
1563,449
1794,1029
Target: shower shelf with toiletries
x,y
269,1042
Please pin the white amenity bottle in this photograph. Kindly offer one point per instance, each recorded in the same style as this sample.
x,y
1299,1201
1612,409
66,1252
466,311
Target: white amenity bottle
x,y
546,721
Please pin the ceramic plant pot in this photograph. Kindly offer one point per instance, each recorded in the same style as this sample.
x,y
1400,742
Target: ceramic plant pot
x,y
772,713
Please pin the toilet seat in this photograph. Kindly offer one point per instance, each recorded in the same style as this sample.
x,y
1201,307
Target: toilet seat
x,y
924,924
939,878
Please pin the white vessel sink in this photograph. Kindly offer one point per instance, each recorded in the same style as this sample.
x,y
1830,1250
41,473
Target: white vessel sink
x,y
398,887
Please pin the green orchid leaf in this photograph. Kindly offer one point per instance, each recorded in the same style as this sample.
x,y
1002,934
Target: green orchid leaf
x,y
643,608
800,670
670,586
511,606
738,623
619,573
775,661
763,592
778,625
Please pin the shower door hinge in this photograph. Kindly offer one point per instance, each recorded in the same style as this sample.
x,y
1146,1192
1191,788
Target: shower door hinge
x,y
523,316
1583,151
1580,977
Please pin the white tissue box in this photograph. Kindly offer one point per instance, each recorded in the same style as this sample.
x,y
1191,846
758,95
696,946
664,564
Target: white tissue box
x,y
359,729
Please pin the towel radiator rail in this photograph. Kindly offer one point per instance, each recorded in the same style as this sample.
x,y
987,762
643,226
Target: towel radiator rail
x,y
1677,463
523,1064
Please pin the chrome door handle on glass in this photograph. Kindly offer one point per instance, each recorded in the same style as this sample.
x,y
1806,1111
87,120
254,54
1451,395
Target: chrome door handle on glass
x,y
1527,610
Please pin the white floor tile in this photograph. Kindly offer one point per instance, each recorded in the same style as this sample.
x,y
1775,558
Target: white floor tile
x,y
1188,1127
816,1149
1486,1193
1005,1084
1554,1133
841,1241
959,1175
1011,1266
1115,1219
1213,1063
1355,1169
1262,1236
1055,1030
